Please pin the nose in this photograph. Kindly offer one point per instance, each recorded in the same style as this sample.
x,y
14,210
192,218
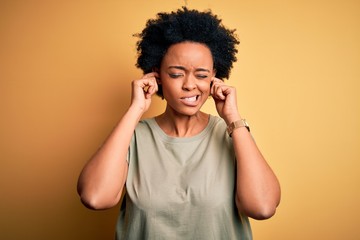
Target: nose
x,y
189,83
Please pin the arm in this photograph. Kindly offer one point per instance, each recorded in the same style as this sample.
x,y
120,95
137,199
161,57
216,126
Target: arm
x,y
102,179
257,188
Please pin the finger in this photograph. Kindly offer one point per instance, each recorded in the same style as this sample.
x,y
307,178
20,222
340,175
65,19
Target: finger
x,y
148,81
217,89
151,74
219,92
214,84
150,87
148,75
213,87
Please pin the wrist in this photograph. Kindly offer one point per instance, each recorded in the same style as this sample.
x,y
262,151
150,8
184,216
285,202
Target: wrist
x,y
236,125
232,118
135,111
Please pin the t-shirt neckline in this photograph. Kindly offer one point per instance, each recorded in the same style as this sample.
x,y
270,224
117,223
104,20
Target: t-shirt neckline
x,y
155,126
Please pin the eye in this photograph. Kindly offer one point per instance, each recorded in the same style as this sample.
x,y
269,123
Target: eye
x,y
201,76
175,75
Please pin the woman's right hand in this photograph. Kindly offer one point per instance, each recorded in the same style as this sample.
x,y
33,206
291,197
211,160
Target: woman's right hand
x,y
142,91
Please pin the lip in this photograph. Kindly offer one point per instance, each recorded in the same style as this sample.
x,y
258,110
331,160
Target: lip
x,y
189,100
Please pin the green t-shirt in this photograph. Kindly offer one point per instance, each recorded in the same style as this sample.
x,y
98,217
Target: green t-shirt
x,y
181,188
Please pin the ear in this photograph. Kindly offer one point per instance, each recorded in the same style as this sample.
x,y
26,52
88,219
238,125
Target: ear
x,y
214,73
157,71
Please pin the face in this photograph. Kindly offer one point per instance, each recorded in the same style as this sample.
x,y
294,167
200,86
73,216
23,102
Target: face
x,y
186,72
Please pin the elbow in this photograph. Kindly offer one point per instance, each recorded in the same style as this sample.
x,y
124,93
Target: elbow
x,y
96,201
263,213
260,211
91,203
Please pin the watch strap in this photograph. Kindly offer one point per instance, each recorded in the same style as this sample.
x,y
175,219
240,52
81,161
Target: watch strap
x,y
237,124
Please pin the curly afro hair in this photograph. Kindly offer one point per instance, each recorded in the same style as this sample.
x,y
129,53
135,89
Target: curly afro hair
x,y
186,25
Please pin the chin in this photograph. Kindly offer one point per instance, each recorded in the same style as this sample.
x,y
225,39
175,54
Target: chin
x,y
189,112
182,110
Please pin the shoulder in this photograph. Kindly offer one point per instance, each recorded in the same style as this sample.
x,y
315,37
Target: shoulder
x,y
217,123
217,120
218,129
145,125
147,129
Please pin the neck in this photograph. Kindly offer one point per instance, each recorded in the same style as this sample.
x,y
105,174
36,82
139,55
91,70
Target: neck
x,y
177,125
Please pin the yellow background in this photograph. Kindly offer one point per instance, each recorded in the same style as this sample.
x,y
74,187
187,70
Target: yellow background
x,y
65,73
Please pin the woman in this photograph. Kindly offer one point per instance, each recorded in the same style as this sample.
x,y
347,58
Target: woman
x,y
187,174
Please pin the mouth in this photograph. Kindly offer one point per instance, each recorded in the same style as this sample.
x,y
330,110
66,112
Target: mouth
x,y
191,100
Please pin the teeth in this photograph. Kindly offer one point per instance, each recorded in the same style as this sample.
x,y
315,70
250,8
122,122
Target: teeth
x,y
190,99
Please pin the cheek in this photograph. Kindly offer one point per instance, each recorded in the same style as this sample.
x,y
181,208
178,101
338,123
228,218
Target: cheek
x,y
169,84
204,86
170,88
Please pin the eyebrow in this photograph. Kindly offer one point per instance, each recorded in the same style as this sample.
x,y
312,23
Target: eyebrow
x,y
184,69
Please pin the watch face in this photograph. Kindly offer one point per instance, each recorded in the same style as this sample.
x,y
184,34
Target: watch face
x,y
246,124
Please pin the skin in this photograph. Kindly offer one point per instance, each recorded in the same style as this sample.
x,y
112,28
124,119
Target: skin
x,y
187,78
185,75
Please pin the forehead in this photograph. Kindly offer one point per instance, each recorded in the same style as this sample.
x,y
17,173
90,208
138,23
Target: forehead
x,y
188,54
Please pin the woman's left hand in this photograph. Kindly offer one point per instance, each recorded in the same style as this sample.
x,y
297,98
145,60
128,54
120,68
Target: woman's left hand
x,y
225,100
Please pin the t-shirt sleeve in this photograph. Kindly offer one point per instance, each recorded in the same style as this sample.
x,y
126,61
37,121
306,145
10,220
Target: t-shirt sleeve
x,y
130,149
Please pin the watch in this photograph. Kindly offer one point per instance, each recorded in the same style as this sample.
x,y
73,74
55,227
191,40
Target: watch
x,y
237,124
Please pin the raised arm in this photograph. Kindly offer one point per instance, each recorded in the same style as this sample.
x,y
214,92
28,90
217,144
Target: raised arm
x,y
257,188
102,179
